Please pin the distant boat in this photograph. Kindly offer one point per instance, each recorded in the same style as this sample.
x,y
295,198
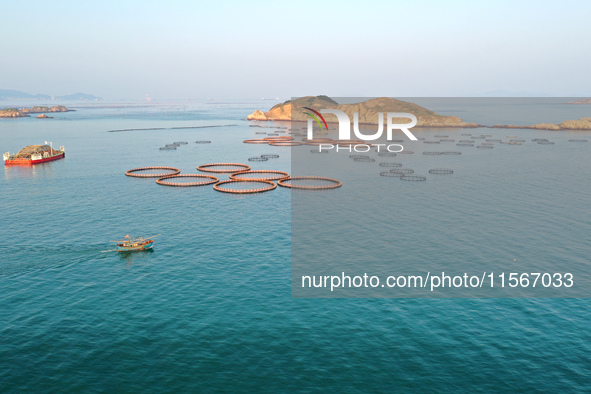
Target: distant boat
x,y
34,154
135,244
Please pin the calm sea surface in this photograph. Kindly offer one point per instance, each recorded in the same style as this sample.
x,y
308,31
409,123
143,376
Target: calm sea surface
x,y
210,309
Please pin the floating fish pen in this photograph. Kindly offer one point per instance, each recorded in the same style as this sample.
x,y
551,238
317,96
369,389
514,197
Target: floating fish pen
x,y
441,171
466,141
388,154
318,151
331,183
255,141
168,148
389,174
205,142
364,159
466,134
285,143
168,180
404,152
442,136
260,175
274,134
268,185
450,153
258,158
545,142
464,144
489,140
431,142
575,140
181,142
260,132
358,156
390,164
447,140
134,172
413,178
403,171
484,147
223,167
432,153
270,156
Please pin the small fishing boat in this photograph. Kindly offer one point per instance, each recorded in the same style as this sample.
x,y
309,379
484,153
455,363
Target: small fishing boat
x,y
135,244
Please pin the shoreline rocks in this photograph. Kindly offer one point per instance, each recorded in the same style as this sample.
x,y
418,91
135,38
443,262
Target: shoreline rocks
x,y
24,112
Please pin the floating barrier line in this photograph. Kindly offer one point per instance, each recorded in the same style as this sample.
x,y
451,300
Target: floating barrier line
x,y
172,128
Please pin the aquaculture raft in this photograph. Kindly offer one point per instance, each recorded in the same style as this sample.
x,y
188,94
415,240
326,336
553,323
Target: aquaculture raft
x,y
34,154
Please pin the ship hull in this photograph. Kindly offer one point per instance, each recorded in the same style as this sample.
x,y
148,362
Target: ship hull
x,y
145,246
28,162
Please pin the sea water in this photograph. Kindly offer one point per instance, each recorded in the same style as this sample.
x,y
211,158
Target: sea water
x,y
211,307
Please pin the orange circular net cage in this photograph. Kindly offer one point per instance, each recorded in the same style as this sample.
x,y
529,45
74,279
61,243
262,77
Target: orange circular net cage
x,y
330,183
268,185
285,143
169,180
133,172
215,167
259,175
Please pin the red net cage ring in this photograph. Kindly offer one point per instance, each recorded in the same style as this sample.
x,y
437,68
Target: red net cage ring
x,y
280,138
266,175
268,186
256,141
334,183
207,180
211,167
285,143
175,171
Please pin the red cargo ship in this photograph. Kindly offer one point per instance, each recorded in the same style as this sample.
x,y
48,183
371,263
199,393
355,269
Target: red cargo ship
x,y
34,154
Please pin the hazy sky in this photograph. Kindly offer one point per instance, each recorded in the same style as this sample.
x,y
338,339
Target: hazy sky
x,y
253,49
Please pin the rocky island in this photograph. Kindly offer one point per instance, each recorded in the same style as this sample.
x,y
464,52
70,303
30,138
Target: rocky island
x,y
581,124
24,112
581,101
292,110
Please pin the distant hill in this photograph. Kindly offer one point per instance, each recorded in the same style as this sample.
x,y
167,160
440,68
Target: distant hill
x,y
7,94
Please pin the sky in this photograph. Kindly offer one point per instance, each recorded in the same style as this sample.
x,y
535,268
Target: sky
x,y
253,49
